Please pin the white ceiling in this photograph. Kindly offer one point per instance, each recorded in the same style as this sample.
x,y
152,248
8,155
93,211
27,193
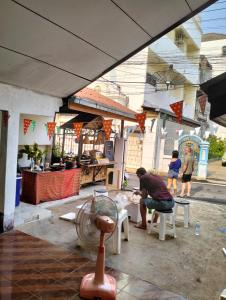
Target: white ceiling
x,y
57,47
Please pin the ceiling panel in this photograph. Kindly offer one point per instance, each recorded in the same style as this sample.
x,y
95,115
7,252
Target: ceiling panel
x,y
49,43
24,72
155,16
194,4
99,22
75,40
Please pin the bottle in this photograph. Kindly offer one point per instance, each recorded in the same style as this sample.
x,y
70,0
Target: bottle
x,y
41,165
197,228
32,164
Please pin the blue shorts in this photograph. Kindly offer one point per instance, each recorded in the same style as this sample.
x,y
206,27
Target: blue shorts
x,y
159,204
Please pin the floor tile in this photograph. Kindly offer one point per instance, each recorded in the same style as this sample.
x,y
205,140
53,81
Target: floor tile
x,y
121,278
15,274
10,290
56,272
57,253
145,291
34,269
55,290
125,296
74,261
73,280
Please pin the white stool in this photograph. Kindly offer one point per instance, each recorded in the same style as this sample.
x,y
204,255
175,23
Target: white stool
x,y
122,219
161,227
186,206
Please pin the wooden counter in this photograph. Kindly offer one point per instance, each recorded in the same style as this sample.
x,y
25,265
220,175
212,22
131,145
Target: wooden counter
x,y
46,186
94,172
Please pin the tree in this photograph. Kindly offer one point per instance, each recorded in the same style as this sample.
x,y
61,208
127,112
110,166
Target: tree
x,y
217,147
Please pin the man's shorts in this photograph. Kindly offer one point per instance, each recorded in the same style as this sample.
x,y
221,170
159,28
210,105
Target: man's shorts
x,y
186,178
159,204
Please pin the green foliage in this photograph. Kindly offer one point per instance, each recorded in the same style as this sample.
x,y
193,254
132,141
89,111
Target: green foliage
x,y
217,147
57,151
33,152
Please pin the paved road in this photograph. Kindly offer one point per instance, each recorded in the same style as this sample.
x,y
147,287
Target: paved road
x,y
216,171
202,191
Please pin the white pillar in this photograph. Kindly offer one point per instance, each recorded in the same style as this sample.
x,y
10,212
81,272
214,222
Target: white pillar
x,y
11,169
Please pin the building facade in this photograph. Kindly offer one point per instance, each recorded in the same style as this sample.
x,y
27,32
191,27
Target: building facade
x,y
213,53
165,72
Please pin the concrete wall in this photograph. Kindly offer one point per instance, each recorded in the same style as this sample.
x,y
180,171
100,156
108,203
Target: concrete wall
x,y
18,101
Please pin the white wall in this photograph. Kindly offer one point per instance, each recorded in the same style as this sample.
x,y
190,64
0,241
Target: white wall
x,y
213,52
17,101
39,135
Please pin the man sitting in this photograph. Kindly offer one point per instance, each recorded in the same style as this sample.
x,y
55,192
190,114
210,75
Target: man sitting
x,y
161,199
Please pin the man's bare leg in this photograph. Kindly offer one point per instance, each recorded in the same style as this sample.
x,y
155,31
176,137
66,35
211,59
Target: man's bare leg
x,y
183,189
143,212
189,189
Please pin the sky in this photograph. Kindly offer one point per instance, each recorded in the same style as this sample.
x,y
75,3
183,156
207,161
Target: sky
x,y
214,18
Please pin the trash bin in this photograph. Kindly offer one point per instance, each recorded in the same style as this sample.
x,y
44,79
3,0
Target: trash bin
x,y
18,186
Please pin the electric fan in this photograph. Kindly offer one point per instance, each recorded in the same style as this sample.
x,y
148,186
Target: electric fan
x,y
95,223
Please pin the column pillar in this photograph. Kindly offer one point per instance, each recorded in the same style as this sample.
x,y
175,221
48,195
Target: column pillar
x,y
9,150
203,160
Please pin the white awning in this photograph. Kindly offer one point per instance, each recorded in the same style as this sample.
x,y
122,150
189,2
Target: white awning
x,y
57,47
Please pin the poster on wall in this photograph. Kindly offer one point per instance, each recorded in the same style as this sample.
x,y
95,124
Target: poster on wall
x,y
109,150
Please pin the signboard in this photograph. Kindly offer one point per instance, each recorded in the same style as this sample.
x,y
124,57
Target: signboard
x,y
109,150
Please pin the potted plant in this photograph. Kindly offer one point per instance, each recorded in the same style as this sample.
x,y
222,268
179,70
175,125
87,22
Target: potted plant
x,y
33,152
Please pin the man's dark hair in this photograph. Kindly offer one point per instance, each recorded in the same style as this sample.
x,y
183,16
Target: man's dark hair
x,y
175,154
141,171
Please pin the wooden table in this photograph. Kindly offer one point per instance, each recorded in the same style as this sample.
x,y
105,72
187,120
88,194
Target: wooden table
x,y
46,186
94,172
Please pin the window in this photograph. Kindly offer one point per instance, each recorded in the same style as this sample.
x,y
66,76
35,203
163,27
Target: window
x,y
151,79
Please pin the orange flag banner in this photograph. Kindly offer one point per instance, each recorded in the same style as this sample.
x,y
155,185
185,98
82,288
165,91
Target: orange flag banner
x,y
51,128
78,128
141,120
27,123
177,108
107,128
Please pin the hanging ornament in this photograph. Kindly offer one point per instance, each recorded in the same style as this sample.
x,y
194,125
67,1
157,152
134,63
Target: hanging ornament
x,y
27,123
177,108
163,132
51,128
202,103
197,130
58,129
78,128
141,120
179,131
33,125
107,124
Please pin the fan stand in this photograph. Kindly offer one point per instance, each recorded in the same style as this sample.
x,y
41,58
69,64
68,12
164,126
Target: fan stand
x,y
99,284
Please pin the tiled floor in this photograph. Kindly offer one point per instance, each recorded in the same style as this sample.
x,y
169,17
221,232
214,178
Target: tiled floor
x,y
31,269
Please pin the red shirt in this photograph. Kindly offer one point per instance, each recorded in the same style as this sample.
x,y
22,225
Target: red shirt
x,y
155,187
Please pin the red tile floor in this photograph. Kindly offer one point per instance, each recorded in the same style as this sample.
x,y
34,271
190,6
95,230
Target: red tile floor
x,y
31,269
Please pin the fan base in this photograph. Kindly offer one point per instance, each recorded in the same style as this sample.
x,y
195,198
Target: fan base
x,y
90,290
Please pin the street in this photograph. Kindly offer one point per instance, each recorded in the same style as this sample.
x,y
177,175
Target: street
x,y
212,191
